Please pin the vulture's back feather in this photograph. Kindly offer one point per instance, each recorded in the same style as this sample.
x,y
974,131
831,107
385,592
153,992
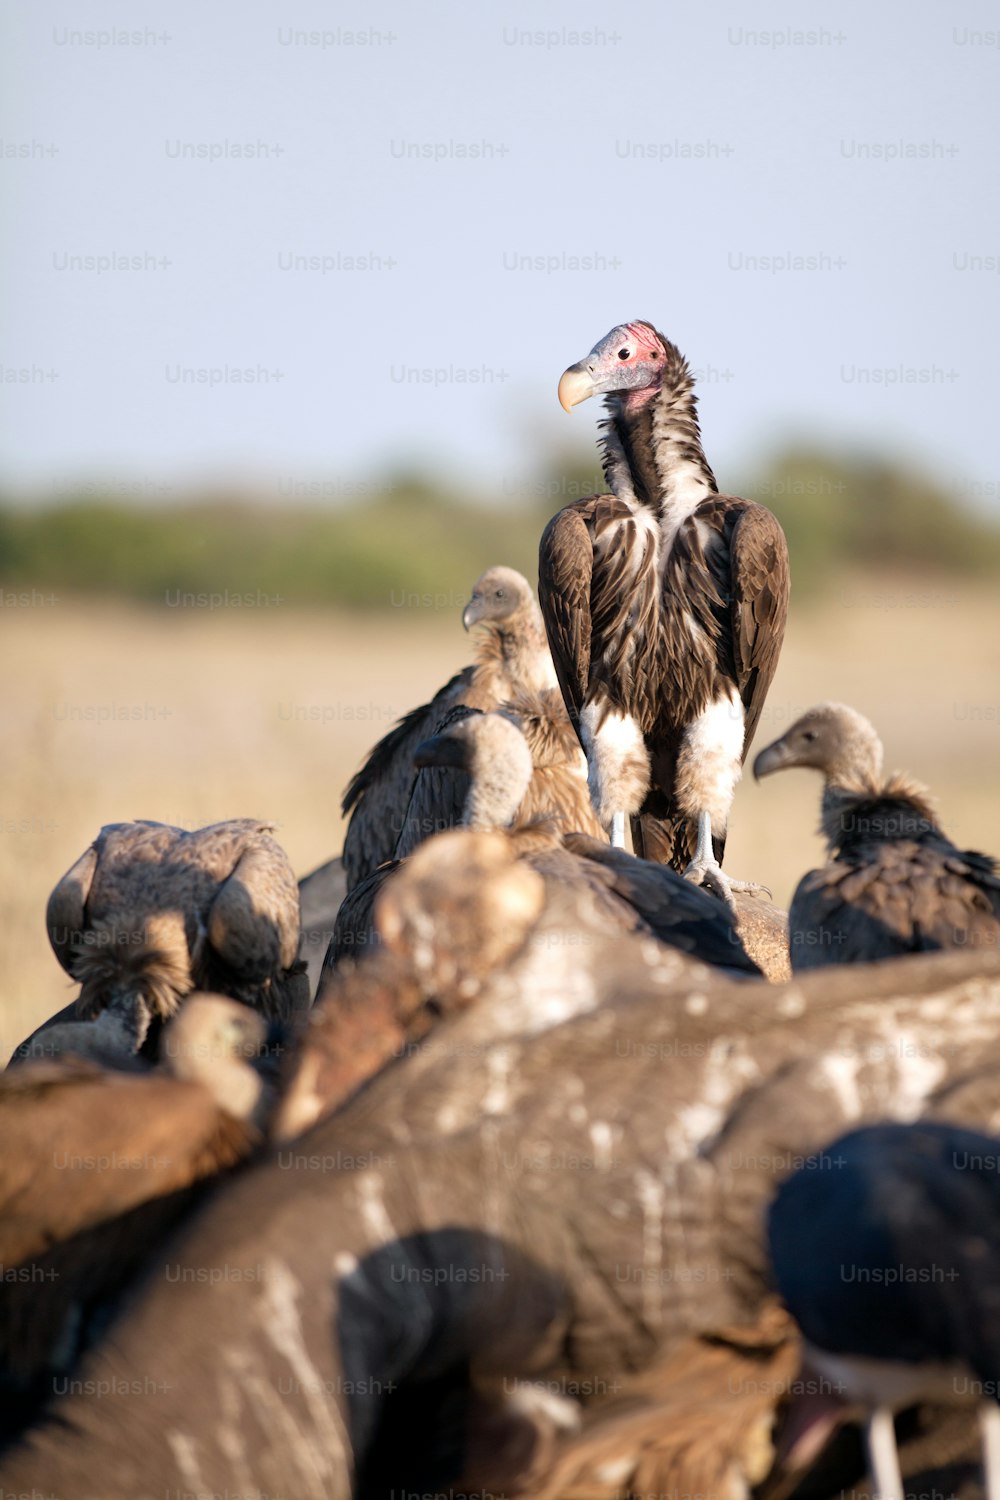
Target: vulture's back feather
x,y
896,884
673,909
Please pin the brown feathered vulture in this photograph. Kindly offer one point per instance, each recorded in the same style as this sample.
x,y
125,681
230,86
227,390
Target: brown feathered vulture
x,y
490,756
665,605
894,883
150,913
511,656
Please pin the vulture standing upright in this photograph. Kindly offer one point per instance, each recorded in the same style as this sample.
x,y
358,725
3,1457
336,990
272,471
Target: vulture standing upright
x,y
665,606
895,883
511,656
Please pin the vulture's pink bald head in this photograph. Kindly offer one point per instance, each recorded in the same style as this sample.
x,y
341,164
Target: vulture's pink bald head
x,y
630,359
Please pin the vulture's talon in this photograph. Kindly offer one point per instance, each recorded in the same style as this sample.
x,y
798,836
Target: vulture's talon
x,y
752,888
710,876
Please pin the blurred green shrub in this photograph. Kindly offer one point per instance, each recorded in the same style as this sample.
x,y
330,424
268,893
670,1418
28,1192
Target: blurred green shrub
x,y
855,513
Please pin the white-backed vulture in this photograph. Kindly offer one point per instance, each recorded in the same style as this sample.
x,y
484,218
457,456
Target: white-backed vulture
x,y
665,606
549,1195
96,1163
150,913
895,883
511,657
887,1253
490,755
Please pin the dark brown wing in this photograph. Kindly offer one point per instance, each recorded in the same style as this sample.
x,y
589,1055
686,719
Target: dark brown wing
x,y
759,601
376,797
253,922
354,933
904,897
671,907
565,570
437,798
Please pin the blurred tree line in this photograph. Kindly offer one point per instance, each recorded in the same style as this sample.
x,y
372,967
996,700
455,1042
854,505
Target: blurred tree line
x,y
411,537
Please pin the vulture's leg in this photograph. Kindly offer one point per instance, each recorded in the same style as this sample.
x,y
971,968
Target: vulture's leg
x,y
618,830
989,1426
705,870
883,1459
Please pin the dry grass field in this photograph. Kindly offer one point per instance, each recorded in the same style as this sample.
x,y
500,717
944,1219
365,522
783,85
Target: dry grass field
x,y
112,712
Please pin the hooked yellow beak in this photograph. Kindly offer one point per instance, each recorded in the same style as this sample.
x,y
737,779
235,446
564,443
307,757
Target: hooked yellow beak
x,y
575,386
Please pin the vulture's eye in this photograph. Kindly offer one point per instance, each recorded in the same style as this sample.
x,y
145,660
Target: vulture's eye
x,y
624,354
499,593
809,734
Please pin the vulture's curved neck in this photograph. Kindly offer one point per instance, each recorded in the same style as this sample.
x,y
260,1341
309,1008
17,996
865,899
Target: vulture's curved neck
x,y
523,634
652,451
518,642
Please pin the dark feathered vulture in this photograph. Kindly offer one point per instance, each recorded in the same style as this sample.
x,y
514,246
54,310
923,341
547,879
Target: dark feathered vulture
x,y
665,606
511,656
886,1249
895,883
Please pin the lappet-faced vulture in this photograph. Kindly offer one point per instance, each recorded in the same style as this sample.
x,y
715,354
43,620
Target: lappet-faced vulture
x,y
150,913
511,657
665,605
895,883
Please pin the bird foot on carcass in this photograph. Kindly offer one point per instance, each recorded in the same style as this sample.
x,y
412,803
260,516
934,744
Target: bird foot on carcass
x,y
710,875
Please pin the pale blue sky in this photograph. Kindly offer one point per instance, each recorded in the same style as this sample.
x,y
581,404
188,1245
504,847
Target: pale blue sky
x,y
753,149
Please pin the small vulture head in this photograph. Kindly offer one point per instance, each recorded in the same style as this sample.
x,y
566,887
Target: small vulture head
x,y
494,753
831,738
630,359
496,596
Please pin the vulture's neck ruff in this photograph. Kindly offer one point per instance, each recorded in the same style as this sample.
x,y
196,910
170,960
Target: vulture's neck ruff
x,y
871,810
651,445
